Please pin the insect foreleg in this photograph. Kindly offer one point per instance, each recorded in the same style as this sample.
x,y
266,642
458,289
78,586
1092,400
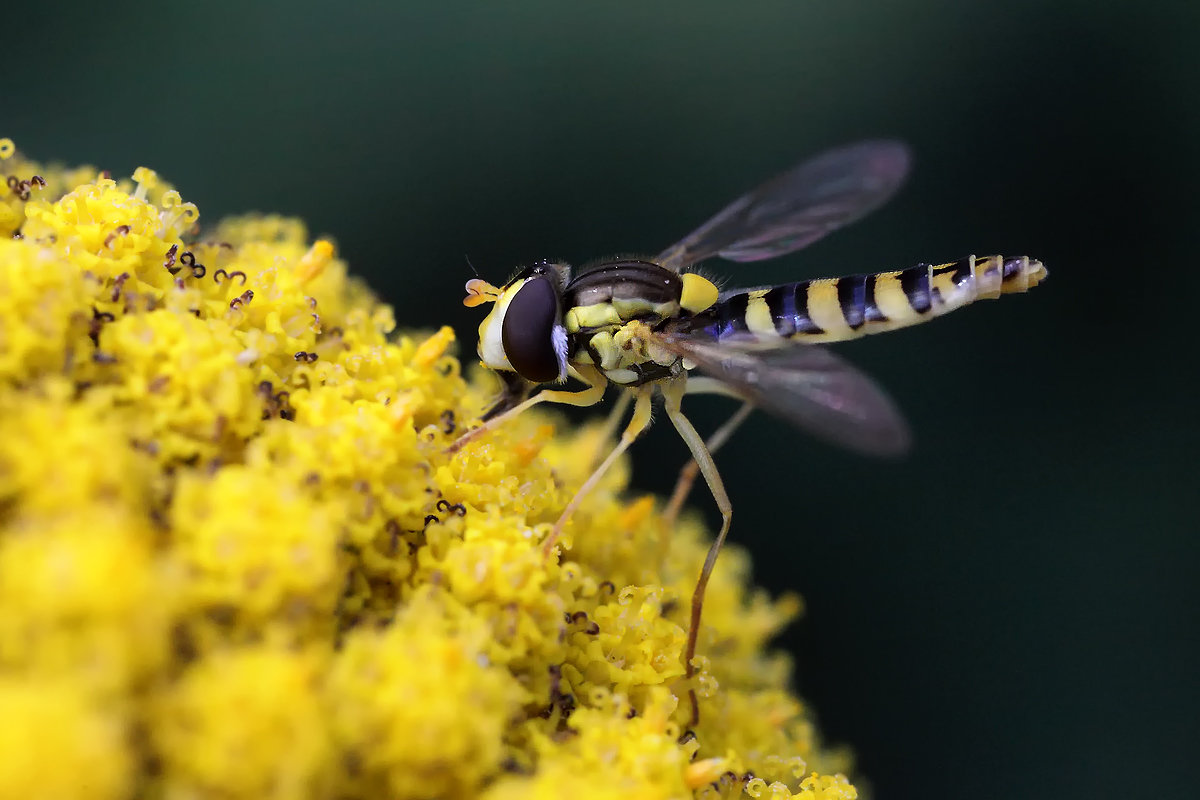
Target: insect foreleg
x,y
514,390
673,392
637,423
595,380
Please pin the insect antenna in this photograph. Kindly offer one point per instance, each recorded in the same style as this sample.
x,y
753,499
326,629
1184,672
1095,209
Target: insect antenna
x,y
467,258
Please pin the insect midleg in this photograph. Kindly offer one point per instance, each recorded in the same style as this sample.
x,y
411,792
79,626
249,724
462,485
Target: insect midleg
x,y
610,425
593,377
673,392
637,423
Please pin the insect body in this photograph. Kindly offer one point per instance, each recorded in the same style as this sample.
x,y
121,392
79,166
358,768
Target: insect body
x,y
646,323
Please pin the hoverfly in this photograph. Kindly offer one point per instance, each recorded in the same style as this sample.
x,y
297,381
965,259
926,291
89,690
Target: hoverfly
x,y
645,323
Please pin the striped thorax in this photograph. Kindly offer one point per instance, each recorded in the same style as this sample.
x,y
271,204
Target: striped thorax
x,y
614,307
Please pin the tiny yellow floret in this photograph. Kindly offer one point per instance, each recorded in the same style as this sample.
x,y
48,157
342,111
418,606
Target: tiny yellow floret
x,y
434,347
707,770
315,260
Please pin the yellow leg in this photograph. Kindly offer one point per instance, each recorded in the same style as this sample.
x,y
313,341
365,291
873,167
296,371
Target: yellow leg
x,y
672,395
637,423
610,425
687,475
595,380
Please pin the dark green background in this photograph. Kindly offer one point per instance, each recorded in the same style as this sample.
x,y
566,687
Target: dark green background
x,y
1011,612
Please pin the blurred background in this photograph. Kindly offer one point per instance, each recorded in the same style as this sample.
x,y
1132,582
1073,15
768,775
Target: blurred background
x,y
1010,612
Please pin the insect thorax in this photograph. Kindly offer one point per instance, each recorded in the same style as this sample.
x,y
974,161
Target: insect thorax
x,y
610,305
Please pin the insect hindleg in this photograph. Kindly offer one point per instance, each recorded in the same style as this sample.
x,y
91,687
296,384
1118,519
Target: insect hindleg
x,y
637,423
673,392
687,475
595,380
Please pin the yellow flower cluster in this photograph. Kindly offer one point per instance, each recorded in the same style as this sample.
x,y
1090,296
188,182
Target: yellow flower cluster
x,y
237,560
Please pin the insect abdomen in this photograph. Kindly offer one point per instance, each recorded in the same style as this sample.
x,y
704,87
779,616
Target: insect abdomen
x,y
834,309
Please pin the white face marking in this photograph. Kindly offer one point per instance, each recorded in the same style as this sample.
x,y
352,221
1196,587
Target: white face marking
x,y
559,338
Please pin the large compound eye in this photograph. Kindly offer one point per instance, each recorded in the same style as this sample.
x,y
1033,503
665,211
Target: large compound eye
x,y
528,330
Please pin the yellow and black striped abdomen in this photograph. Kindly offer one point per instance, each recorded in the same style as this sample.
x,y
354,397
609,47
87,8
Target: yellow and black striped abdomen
x,y
835,309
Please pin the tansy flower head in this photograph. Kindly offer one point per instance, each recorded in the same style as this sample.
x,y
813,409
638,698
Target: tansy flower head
x,y
237,558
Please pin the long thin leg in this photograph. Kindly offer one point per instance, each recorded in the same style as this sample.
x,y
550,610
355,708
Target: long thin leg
x,y
637,423
687,475
672,395
610,425
595,380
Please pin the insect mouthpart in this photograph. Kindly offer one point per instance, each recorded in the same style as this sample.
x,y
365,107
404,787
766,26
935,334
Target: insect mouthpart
x,y
479,292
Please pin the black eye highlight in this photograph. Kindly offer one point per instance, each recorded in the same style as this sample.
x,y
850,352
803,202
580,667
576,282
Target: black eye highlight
x,y
528,330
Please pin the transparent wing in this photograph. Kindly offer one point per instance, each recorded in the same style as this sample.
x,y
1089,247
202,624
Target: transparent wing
x,y
809,387
798,207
